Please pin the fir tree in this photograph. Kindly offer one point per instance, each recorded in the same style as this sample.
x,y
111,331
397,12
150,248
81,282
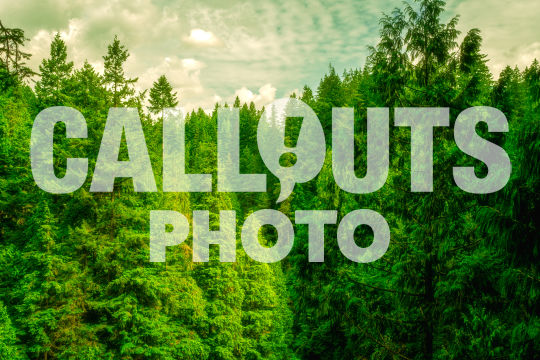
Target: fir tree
x,y
114,77
12,56
161,96
55,73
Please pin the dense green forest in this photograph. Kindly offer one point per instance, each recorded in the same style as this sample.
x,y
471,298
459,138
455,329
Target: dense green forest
x,y
460,279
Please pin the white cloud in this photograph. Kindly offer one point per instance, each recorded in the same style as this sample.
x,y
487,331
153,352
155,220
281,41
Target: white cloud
x,y
184,77
201,37
212,50
266,94
190,64
509,30
225,47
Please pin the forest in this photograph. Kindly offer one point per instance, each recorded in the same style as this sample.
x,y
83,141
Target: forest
x,y
460,278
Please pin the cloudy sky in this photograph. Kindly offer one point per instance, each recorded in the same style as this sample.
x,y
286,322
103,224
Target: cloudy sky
x,y
214,50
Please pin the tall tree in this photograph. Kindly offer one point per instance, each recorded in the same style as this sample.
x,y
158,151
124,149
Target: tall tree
x,y
474,80
12,57
329,94
388,61
307,95
162,96
509,93
429,41
120,86
55,72
86,89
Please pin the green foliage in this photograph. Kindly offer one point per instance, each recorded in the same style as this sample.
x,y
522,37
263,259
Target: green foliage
x,y
8,347
161,96
459,280
119,86
12,56
55,72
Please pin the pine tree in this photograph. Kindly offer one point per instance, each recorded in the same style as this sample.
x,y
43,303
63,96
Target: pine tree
x,y
12,57
40,290
329,94
429,41
161,96
475,78
8,347
307,95
388,62
55,72
86,89
120,87
508,93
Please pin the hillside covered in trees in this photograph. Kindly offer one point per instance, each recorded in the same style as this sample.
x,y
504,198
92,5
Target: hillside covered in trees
x,y
460,279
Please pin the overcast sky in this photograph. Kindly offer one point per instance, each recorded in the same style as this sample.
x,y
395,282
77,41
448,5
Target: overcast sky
x,y
214,50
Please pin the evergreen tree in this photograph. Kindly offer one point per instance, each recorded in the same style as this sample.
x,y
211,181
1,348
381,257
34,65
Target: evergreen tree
x,y
429,41
474,78
8,347
509,94
307,95
161,96
12,57
120,87
531,76
388,62
55,72
329,94
86,89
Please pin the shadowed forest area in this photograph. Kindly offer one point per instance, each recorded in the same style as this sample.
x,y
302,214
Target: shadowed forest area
x,y
460,279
